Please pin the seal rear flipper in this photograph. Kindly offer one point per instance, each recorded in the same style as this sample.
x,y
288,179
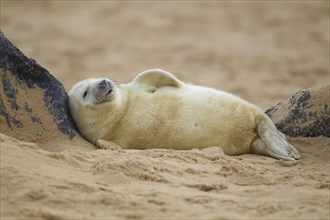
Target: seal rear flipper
x,y
272,142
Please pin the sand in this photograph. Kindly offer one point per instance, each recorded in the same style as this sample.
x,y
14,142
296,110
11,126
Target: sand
x,y
262,51
163,184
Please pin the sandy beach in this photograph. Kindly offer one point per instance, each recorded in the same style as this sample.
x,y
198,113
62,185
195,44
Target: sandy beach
x,y
262,51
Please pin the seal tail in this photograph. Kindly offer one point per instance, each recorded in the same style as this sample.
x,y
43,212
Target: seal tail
x,y
272,142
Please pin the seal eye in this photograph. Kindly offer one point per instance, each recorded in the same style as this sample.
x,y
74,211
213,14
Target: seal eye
x,y
85,93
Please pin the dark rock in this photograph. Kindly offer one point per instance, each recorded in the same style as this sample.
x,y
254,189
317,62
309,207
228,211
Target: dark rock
x,y
33,103
307,113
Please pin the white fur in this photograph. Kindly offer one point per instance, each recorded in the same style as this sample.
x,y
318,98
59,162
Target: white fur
x,y
156,110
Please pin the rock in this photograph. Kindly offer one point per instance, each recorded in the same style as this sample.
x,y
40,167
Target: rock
x,y
307,113
33,103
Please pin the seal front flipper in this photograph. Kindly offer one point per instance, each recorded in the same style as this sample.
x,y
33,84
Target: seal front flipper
x,y
272,142
157,78
104,144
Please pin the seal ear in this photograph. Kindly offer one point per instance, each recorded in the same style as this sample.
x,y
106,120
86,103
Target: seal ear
x,y
157,78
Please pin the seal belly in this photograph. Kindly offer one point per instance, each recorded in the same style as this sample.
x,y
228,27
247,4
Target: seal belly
x,y
186,118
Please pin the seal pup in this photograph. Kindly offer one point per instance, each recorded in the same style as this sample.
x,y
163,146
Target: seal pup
x,y
157,110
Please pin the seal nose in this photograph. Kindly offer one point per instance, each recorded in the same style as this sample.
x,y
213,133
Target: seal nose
x,y
104,84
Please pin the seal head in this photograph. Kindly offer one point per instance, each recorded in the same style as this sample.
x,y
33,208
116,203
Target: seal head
x,y
93,91
91,98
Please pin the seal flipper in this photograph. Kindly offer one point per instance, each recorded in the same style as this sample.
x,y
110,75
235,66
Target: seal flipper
x,y
157,78
104,144
259,147
272,142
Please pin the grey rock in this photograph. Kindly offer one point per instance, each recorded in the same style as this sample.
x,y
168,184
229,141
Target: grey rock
x,y
305,114
33,103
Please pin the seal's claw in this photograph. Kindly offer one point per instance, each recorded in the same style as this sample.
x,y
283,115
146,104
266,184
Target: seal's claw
x,y
293,152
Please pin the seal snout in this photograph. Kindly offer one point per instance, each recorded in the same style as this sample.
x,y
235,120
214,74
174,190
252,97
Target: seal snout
x,y
104,84
104,90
